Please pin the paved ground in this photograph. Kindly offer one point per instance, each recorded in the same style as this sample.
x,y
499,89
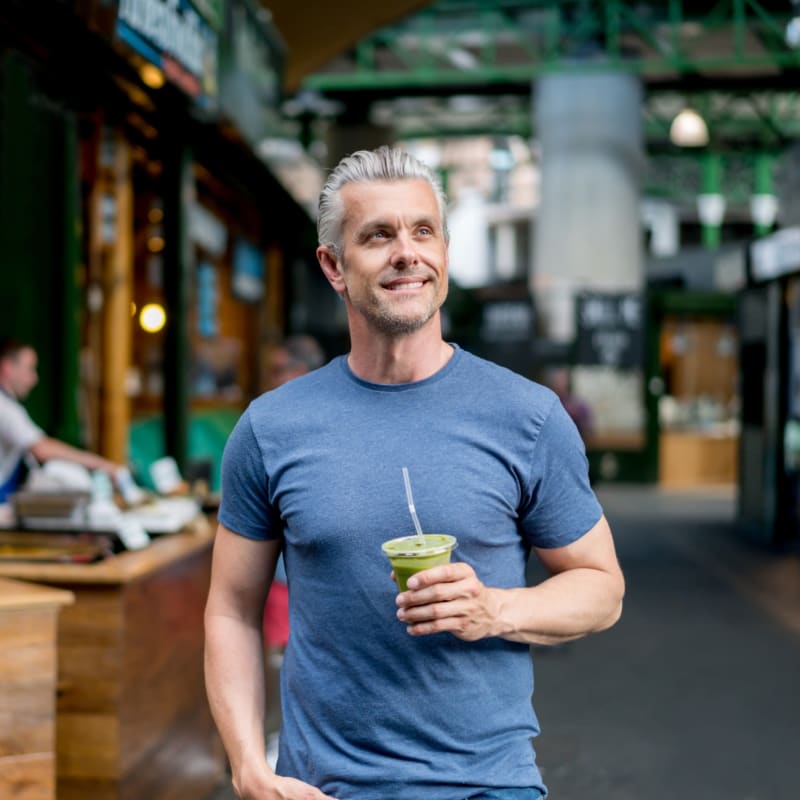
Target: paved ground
x,y
694,694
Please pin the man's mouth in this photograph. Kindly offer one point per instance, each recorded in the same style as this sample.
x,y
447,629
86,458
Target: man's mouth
x,y
406,285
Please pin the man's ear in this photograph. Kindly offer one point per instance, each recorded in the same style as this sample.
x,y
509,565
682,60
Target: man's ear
x,y
331,267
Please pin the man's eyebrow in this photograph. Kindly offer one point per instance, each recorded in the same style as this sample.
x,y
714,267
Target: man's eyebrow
x,y
382,223
372,224
363,231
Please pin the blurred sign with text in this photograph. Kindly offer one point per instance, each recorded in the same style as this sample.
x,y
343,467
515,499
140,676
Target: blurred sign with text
x,y
175,37
610,329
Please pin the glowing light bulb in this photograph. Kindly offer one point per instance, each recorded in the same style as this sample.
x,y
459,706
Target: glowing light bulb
x,y
151,76
689,129
152,317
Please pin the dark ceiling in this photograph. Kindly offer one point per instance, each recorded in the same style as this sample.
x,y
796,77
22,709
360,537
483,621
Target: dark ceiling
x,y
315,31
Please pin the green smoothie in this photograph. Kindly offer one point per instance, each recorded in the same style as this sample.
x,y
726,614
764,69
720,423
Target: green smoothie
x,y
408,554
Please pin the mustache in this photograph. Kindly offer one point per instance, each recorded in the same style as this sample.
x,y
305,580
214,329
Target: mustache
x,y
415,274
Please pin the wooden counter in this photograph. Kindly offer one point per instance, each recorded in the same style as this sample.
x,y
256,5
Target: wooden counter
x,y
132,716
28,617
688,458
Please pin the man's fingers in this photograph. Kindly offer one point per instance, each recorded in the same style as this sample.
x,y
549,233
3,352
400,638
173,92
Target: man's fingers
x,y
445,573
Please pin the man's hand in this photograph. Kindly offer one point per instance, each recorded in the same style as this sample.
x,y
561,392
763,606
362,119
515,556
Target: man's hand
x,y
450,598
582,595
275,787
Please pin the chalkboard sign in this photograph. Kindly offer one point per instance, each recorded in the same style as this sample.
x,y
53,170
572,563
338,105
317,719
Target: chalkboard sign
x,y
610,329
507,320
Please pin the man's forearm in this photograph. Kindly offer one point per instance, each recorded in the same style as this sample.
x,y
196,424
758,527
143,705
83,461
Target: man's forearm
x,y
234,670
47,448
566,606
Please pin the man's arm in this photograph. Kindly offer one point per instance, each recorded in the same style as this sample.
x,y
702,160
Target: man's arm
x,y
583,595
241,575
47,448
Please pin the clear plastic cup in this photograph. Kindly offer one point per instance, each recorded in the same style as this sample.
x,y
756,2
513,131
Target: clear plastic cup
x,y
411,554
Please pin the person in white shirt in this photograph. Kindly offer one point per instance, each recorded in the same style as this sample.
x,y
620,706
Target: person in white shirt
x,y
20,437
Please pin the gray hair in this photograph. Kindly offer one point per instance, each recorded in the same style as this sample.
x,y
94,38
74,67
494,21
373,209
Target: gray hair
x,y
383,164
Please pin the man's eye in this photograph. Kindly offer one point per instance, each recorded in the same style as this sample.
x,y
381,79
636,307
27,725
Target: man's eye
x,y
425,232
379,234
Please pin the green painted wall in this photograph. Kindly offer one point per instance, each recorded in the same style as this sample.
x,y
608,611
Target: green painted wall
x,y
39,238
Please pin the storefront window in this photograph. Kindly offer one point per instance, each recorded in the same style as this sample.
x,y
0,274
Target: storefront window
x,y
699,364
699,408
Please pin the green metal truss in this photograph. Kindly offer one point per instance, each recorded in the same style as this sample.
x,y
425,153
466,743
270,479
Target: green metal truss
x,y
480,44
763,119
730,58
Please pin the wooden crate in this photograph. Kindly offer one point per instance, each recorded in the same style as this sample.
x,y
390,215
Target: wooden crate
x,y
28,626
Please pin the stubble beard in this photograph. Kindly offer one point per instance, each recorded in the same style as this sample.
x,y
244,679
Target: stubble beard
x,y
385,318
389,319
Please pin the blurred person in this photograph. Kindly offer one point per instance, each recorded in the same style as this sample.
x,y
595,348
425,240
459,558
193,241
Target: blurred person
x,y
20,438
560,381
426,693
294,356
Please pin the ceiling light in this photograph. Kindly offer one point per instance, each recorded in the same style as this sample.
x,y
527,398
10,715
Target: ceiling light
x,y
152,317
155,244
688,129
764,209
151,76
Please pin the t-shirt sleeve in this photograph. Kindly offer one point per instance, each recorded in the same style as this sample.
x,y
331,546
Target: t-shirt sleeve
x,y
245,507
17,429
560,505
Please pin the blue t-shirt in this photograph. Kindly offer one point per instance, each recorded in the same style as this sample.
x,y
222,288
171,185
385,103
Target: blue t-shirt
x,y
370,712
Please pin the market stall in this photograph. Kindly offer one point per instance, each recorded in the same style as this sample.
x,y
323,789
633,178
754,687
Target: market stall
x,y
132,719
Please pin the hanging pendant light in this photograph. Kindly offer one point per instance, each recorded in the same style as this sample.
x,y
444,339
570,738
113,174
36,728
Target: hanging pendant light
x,y
688,129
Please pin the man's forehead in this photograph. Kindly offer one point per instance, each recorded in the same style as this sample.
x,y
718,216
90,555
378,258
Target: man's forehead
x,y
378,186
364,199
25,358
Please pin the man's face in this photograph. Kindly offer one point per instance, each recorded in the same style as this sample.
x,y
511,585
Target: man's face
x,y
393,271
19,373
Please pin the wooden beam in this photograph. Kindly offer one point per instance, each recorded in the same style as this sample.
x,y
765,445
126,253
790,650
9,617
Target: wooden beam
x,y
118,294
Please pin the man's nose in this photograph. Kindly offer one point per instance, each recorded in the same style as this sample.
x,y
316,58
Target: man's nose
x,y
404,252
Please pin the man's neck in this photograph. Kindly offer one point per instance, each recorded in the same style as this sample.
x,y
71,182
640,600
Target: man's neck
x,y
405,359
6,390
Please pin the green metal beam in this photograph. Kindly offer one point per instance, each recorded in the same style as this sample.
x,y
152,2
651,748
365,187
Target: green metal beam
x,y
481,44
738,119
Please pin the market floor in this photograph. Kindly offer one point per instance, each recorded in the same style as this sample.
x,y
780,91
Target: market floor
x,y
694,693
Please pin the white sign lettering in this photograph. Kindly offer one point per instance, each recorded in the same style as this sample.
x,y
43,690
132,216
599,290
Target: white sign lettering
x,y
177,32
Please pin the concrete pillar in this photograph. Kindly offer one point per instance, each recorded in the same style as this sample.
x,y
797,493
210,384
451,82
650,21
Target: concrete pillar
x,y
587,227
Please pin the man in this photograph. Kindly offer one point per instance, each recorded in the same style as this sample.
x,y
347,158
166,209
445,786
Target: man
x,y
20,437
425,694
559,380
290,358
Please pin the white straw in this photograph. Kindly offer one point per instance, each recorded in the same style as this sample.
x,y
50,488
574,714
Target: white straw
x,y
411,507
